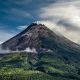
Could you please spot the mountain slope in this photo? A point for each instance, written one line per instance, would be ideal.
(41, 39)
(57, 57)
(38, 36)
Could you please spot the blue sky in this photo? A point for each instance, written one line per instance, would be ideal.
(15, 15)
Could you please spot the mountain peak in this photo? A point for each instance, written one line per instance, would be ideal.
(38, 23)
(35, 27)
(39, 37)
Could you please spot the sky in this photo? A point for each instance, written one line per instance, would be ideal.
(62, 15)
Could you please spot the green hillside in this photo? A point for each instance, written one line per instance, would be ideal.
(43, 66)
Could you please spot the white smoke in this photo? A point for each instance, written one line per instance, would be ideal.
(66, 11)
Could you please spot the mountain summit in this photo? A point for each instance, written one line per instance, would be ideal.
(40, 38)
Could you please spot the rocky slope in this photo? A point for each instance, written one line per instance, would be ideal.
(39, 37)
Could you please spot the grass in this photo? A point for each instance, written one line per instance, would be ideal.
(45, 66)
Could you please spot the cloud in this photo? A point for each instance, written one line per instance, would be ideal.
(5, 35)
(62, 11)
(1, 42)
(19, 13)
(66, 16)
(22, 2)
(22, 27)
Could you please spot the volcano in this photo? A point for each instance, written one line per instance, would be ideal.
(39, 37)
(57, 57)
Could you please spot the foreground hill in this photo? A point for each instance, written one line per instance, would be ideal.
(45, 66)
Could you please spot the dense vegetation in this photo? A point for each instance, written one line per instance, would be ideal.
(43, 66)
